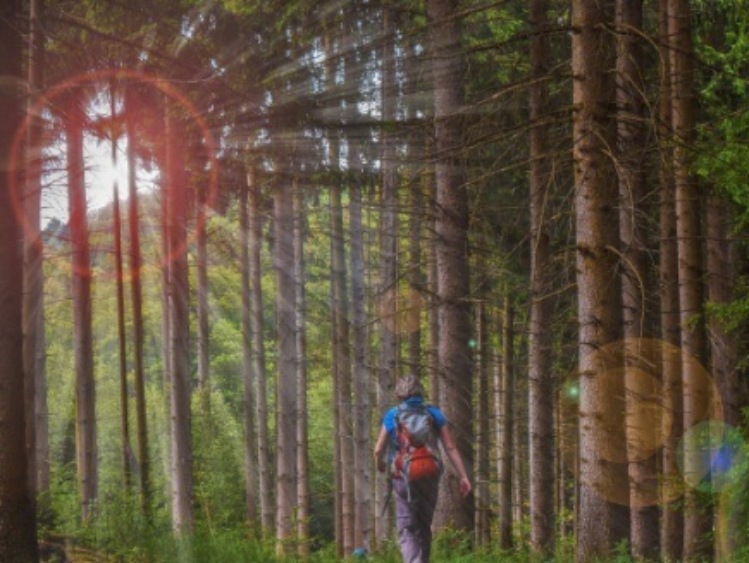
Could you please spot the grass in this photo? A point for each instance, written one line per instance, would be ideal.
(157, 544)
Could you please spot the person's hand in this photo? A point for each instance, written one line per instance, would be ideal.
(465, 486)
(381, 465)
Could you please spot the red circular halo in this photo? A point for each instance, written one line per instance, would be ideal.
(48, 97)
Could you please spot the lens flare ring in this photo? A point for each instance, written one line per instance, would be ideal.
(48, 98)
(632, 379)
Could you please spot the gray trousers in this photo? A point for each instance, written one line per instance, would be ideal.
(413, 519)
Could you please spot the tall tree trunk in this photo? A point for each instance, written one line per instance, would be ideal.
(122, 339)
(334, 160)
(697, 514)
(204, 328)
(635, 272)
(430, 258)
(483, 441)
(300, 309)
(120, 293)
(723, 354)
(507, 426)
(602, 523)
(388, 289)
(362, 409)
(166, 329)
(420, 357)
(34, 347)
(519, 449)
(452, 253)
(672, 517)
(721, 258)
(179, 332)
(540, 374)
(137, 305)
(498, 406)
(17, 517)
(286, 384)
(250, 453)
(267, 512)
(341, 343)
(337, 471)
(83, 335)
(415, 275)
(566, 430)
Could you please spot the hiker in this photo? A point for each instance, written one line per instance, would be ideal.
(410, 435)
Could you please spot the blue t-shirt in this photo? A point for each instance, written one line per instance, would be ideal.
(389, 419)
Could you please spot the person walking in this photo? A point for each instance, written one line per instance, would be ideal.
(408, 446)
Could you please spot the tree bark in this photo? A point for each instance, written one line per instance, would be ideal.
(672, 517)
(362, 408)
(333, 154)
(721, 258)
(137, 306)
(602, 523)
(166, 327)
(456, 373)
(506, 444)
(201, 239)
(519, 449)
(430, 257)
(697, 514)
(362, 411)
(286, 384)
(636, 286)
(483, 505)
(122, 338)
(267, 512)
(415, 278)
(540, 374)
(83, 334)
(344, 429)
(300, 309)
(34, 344)
(388, 289)
(120, 298)
(250, 453)
(179, 332)
(17, 517)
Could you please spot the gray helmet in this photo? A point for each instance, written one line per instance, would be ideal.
(408, 386)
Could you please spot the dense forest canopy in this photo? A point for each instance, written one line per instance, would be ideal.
(242, 221)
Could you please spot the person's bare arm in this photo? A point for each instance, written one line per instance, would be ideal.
(380, 449)
(454, 456)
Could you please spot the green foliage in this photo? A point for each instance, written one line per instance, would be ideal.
(722, 155)
(722, 42)
(63, 500)
(156, 544)
(723, 159)
(231, 545)
(226, 362)
(218, 450)
(322, 478)
(490, 41)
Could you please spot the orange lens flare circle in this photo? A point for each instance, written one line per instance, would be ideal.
(54, 93)
(632, 405)
(400, 310)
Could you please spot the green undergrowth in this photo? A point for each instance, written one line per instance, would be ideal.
(120, 536)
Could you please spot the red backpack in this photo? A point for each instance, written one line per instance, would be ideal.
(417, 454)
